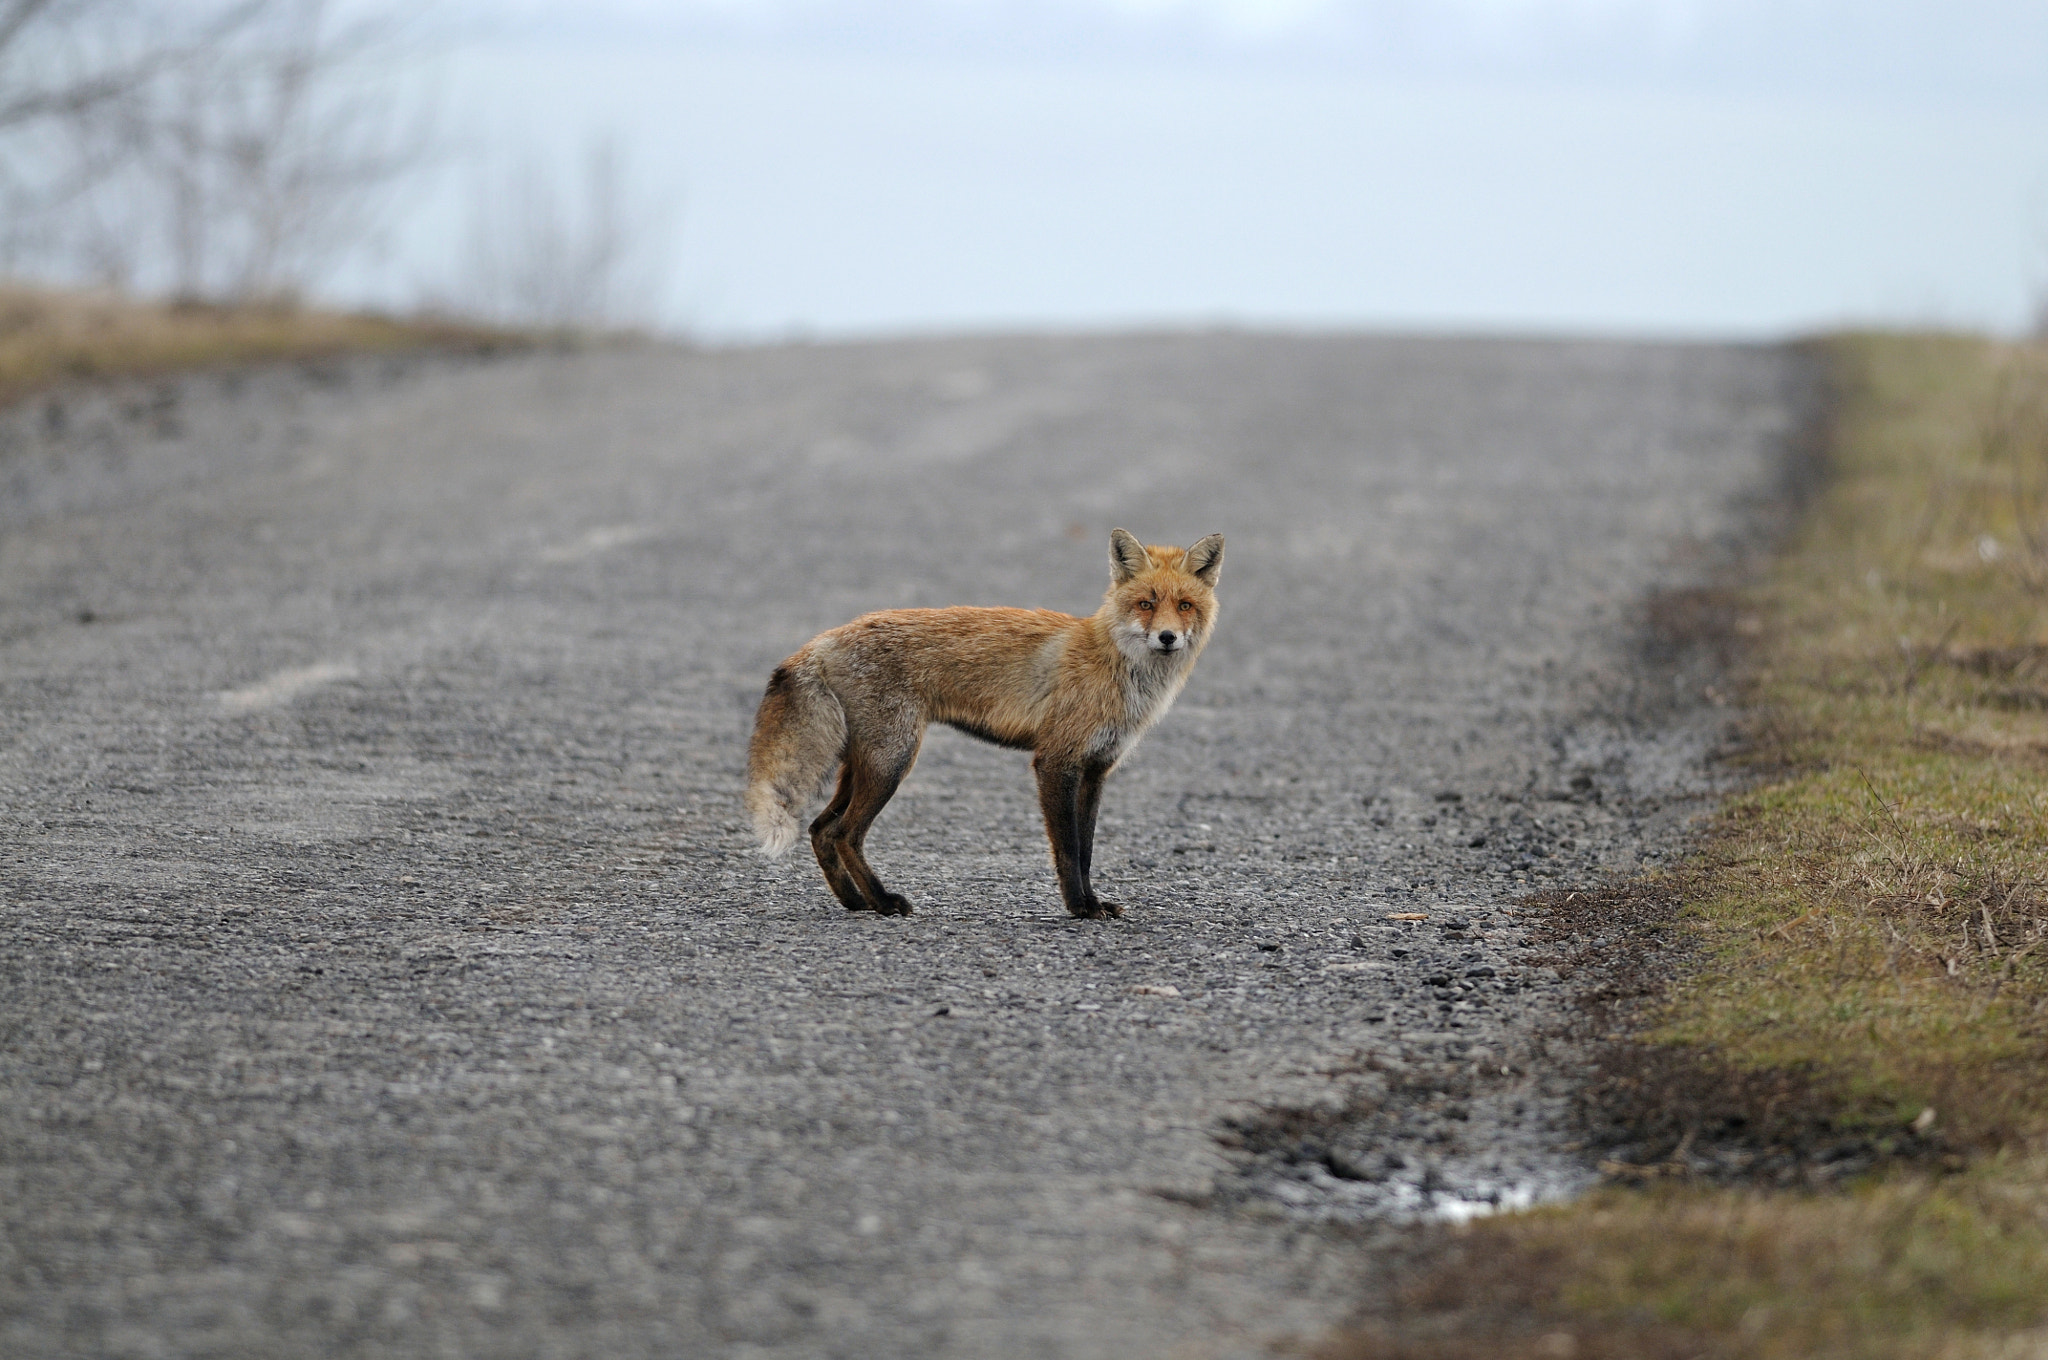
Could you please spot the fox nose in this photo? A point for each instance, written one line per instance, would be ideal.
(1166, 637)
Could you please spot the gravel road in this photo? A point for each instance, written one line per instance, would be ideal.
(383, 970)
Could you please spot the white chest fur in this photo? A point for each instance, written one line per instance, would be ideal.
(1150, 687)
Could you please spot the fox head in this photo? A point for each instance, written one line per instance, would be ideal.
(1162, 601)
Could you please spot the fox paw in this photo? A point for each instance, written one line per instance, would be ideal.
(894, 904)
(1096, 908)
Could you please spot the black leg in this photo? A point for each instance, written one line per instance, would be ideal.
(1088, 801)
(872, 791)
(1059, 798)
(825, 845)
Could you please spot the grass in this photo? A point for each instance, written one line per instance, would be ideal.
(1831, 1126)
(1877, 916)
(1899, 1265)
(50, 336)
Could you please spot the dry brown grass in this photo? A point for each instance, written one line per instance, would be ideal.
(1901, 1266)
(49, 336)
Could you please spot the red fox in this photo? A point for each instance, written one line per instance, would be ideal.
(1075, 692)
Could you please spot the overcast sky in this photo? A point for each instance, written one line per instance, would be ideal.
(1676, 166)
(1891, 49)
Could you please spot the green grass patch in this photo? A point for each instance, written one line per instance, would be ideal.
(1876, 915)
(1869, 926)
(1899, 1265)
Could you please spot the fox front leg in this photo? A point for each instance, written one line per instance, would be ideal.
(1067, 795)
(1086, 804)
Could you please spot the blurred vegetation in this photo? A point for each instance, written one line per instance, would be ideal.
(49, 336)
(246, 153)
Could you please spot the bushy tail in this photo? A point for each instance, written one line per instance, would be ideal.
(799, 734)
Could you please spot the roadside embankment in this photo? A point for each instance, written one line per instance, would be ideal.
(50, 336)
(1823, 1127)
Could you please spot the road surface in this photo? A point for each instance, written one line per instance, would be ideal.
(384, 970)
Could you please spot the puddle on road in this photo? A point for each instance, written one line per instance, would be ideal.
(1393, 1159)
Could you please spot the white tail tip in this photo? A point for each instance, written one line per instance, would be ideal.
(777, 830)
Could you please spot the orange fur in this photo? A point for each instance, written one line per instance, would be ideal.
(1078, 692)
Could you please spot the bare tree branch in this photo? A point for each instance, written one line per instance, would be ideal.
(232, 151)
(17, 15)
(106, 48)
(581, 261)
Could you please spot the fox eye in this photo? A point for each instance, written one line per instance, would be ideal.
(1186, 607)
(1145, 605)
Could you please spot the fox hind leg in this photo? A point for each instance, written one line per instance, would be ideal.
(826, 847)
(865, 788)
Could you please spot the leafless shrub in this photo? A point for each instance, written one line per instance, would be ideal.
(232, 151)
(238, 151)
(586, 258)
(64, 65)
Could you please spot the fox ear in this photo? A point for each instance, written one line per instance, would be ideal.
(1205, 559)
(1127, 556)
